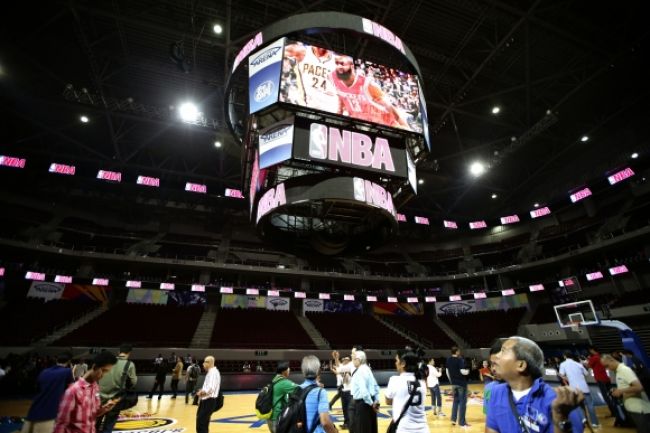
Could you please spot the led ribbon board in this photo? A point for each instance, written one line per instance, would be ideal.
(340, 188)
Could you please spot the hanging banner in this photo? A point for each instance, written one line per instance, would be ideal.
(242, 301)
(86, 293)
(316, 305)
(277, 303)
(497, 303)
(147, 296)
(44, 290)
(397, 308)
(185, 298)
(342, 307)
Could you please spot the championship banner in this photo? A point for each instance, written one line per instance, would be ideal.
(277, 304)
(186, 298)
(86, 293)
(342, 307)
(397, 309)
(44, 290)
(474, 305)
(242, 301)
(313, 305)
(147, 296)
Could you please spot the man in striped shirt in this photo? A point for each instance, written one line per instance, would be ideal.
(208, 395)
(80, 405)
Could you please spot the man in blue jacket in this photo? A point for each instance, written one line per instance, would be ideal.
(525, 403)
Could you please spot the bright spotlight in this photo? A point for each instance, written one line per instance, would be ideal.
(84, 119)
(477, 169)
(188, 112)
(494, 195)
(584, 138)
(496, 109)
(217, 143)
(420, 181)
(536, 205)
(217, 29)
(634, 155)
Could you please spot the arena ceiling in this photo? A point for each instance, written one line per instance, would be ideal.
(558, 70)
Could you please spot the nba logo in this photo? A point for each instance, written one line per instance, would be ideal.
(359, 189)
(318, 141)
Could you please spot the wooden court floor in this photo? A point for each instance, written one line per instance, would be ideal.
(237, 416)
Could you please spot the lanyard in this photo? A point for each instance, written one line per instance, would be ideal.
(524, 429)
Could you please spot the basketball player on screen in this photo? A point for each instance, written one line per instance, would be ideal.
(313, 67)
(361, 98)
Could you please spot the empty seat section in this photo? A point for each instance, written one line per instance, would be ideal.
(424, 327)
(343, 330)
(140, 325)
(481, 328)
(28, 320)
(258, 329)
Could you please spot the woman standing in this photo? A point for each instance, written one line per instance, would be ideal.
(434, 387)
(408, 387)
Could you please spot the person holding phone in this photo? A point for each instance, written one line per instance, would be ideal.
(80, 406)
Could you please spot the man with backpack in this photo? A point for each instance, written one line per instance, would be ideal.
(281, 388)
(307, 409)
(191, 377)
(110, 386)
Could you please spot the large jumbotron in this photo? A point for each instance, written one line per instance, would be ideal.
(329, 143)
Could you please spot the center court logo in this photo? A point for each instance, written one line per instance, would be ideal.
(147, 425)
(263, 91)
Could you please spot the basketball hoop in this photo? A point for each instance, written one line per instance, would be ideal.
(575, 326)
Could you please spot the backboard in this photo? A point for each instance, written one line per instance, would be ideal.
(576, 313)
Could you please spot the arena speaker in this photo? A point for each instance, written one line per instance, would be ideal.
(329, 142)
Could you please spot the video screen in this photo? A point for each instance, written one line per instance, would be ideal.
(325, 80)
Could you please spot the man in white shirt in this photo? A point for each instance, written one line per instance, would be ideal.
(365, 394)
(208, 395)
(630, 389)
(574, 374)
(346, 369)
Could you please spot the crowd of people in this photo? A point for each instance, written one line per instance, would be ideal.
(88, 395)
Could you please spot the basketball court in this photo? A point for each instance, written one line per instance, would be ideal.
(237, 416)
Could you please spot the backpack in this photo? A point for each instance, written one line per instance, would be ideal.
(127, 394)
(193, 372)
(293, 418)
(264, 402)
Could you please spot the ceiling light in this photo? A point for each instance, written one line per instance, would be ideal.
(477, 168)
(634, 155)
(494, 195)
(496, 109)
(217, 29)
(189, 112)
(584, 138)
(217, 143)
(84, 119)
(420, 181)
(536, 205)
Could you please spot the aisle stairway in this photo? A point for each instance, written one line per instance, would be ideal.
(66, 329)
(320, 342)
